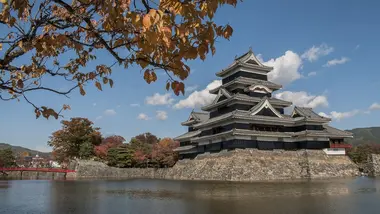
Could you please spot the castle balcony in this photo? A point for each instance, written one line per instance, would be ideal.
(342, 146)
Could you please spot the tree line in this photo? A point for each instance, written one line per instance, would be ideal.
(79, 139)
(361, 154)
(7, 158)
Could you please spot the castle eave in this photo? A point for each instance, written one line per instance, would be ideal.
(187, 135)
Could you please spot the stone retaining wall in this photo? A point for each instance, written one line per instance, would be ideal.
(375, 165)
(238, 165)
(34, 175)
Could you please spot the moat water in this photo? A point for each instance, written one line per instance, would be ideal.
(360, 195)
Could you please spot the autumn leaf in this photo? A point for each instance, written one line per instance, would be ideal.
(146, 21)
(82, 91)
(111, 83)
(65, 107)
(98, 85)
(20, 83)
(167, 86)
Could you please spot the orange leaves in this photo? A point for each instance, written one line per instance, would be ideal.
(227, 32)
(20, 83)
(178, 87)
(65, 107)
(164, 37)
(150, 76)
(146, 21)
(81, 90)
(98, 85)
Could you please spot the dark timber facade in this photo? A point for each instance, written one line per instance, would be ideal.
(244, 114)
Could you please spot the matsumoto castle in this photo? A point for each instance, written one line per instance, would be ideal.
(245, 115)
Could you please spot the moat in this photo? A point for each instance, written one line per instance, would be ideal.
(355, 195)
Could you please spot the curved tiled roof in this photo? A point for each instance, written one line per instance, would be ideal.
(248, 82)
(188, 135)
(246, 98)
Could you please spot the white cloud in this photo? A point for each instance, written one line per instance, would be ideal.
(94, 104)
(334, 62)
(340, 115)
(285, 68)
(191, 88)
(357, 47)
(303, 99)
(315, 52)
(199, 98)
(158, 99)
(313, 73)
(98, 117)
(374, 106)
(161, 115)
(134, 105)
(118, 106)
(324, 114)
(143, 116)
(109, 112)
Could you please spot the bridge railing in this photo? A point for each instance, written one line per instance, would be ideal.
(36, 169)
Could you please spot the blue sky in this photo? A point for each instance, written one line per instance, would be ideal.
(323, 52)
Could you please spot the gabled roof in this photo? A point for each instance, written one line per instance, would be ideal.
(196, 117)
(247, 99)
(248, 60)
(248, 82)
(308, 113)
(222, 92)
(264, 103)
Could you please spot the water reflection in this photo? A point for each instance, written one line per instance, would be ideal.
(359, 195)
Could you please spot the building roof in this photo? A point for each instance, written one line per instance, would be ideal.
(247, 60)
(247, 82)
(338, 132)
(184, 148)
(264, 103)
(196, 117)
(248, 99)
(308, 113)
(188, 135)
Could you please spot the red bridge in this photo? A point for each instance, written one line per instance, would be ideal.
(3, 170)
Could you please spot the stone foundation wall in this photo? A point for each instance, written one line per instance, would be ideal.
(237, 165)
(375, 165)
(34, 175)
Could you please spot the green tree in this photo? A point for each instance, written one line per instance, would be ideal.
(76, 139)
(61, 39)
(7, 158)
(121, 156)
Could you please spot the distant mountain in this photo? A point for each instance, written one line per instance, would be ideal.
(19, 150)
(365, 136)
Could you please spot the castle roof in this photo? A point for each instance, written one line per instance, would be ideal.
(247, 60)
(245, 98)
(196, 117)
(188, 135)
(247, 82)
(308, 113)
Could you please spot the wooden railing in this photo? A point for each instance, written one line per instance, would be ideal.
(346, 146)
(35, 169)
